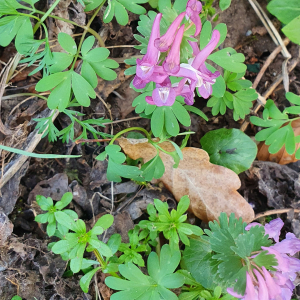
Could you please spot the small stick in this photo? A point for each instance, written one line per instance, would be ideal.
(267, 63)
(274, 212)
(91, 141)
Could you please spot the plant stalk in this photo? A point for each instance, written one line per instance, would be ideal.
(130, 129)
(90, 30)
(85, 32)
(37, 25)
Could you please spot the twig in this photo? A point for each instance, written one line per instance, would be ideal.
(91, 141)
(276, 38)
(274, 212)
(21, 159)
(267, 63)
(124, 120)
(109, 111)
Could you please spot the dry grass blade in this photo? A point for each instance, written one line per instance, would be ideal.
(276, 38)
(3, 85)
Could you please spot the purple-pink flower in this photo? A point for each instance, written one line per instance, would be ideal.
(194, 72)
(263, 284)
(193, 10)
(272, 229)
(163, 95)
(163, 43)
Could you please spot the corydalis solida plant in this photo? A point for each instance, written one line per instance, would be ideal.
(194, 73)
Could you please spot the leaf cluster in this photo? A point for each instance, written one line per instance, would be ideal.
(46, 126)
(131, 251)
(173, 225)
(47, 204)
(240, 101)
(228, 247)
(278, 130)
(65, 83)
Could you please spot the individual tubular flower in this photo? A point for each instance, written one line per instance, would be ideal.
(172, 62)
(146, 66)
(163, 43)
(196, 72)
(193, 9)
(163, 95)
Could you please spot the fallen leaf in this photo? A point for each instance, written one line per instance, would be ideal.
(212, 189)
(54, 187)
(6, 228)
(281, 157)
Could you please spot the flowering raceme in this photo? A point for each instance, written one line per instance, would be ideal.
(193, 72)
(276, 284)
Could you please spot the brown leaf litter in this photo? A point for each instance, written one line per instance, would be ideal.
(212, 189)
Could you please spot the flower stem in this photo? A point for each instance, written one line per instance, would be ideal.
(85, 32)
(130, 129)
(90, 30)
(37, 25)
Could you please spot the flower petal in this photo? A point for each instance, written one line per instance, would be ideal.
(273, 229)
(209, 48)
(163, 43)
(250, 293)
(290, 245)
(273, 289)
(263, 293)
(171, 63)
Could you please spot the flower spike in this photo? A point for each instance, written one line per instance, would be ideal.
(164, 43)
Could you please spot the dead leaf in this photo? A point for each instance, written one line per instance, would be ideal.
(281, 157)
(212, 189)
(6, 228)
(54, 187)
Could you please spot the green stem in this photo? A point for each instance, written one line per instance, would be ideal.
(90, 30)
(23, 94)
(37, 25)
(103, 263)
(131, 129)
(29, 16)
(85, 32)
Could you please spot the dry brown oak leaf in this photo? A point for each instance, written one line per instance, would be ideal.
(212, 189)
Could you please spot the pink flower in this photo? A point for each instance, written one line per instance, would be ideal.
(184, 90)
(290, 244)
(273, 289)
(171, 64)
(163, 43)
(272, 229)
(145, 67)
(197, 73)
(163, 95)
(193, 10)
